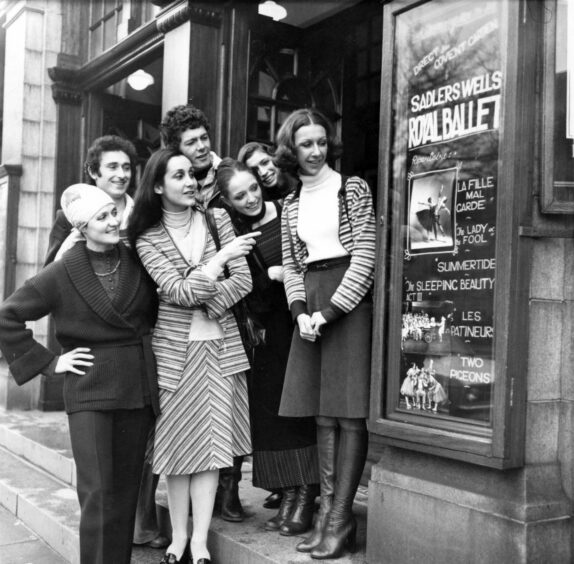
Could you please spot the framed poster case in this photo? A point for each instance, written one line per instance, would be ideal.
(557, 161)
(451, 322)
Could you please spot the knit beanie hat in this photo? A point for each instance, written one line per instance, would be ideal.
(81, 202)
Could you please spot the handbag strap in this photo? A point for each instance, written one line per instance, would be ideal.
(213, 231)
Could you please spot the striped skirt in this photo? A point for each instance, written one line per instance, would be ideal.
(205, 422)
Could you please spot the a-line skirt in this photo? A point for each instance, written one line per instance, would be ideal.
(331, 376)
(204, 423)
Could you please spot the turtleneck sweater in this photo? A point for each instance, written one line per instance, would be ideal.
(318, 220)
(188, 231)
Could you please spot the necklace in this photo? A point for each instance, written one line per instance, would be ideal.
(178, 221)
(110, 272)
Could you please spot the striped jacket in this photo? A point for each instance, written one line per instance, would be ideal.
(357, 235)
(182, 289)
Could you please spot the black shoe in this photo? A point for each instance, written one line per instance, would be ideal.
(273, 500)
(285, 509)
(170, 558)
(301, 516)
(227, 497)
(160, 541)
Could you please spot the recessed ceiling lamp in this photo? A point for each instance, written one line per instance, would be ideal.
(140, 79)
(273, 10)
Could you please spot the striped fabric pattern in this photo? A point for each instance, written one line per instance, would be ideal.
(357, 235)
(285, 468)
(205, 422)
(182, 289)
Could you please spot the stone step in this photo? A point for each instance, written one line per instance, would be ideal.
(37, 485)
(46, 505)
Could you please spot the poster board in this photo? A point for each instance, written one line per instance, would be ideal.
(446, 385)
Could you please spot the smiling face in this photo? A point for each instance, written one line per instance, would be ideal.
(196, 145)
(102, 232)
(114, 175)
(244, 194)
(262, 164)
(178, 189)
(311, 146)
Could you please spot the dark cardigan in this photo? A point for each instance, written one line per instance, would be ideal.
(118, 332)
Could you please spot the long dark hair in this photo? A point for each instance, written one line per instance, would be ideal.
(147, 204)
(286, 155)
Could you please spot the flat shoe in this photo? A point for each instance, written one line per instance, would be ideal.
(160, 541)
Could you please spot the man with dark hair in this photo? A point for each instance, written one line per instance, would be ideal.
(110, 165)
(186, 128)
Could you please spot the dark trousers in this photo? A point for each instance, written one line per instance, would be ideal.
(108, 448)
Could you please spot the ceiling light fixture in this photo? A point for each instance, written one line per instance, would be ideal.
(140, 79)
(273, 10)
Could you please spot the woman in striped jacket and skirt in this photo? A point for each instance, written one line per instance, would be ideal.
(328, 240)
(204, 419)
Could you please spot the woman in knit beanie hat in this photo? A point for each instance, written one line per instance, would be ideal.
(104, 306)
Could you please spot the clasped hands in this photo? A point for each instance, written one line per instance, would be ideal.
(310, 326)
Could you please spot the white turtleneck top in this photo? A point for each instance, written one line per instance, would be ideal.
(318, 220)
(188, 231)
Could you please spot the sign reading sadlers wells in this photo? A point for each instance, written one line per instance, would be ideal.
(447, 105)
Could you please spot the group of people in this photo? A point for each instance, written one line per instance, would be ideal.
(159, 376)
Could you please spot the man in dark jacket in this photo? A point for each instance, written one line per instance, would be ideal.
(110, 165)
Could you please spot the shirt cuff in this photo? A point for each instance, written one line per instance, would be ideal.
(332, 313)
(297, 308)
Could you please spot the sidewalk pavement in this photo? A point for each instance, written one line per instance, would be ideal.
(19, 545)
(37, 478)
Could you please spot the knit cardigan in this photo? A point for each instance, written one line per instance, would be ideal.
(118, 332)
(183, 288)
(357, 235)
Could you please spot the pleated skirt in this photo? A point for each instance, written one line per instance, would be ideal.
(204, 423)
(284, 448)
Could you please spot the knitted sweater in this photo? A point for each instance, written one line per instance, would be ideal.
(118, 332)
(357, 235)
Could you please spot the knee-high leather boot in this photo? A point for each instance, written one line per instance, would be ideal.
(327, 448)
(341, 527)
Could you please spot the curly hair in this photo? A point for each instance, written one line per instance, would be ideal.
(180, 119)
(103, 145)
(286, 154)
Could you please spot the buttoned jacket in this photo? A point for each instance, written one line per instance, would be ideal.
(356, 234)
(183, 289)
(117, 331)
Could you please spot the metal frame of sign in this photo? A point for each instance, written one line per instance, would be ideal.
(557, 194)
(498, 440)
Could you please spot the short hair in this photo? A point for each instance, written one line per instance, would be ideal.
(180, 119)
(285, 155)
(248, 150)
(106, 144)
